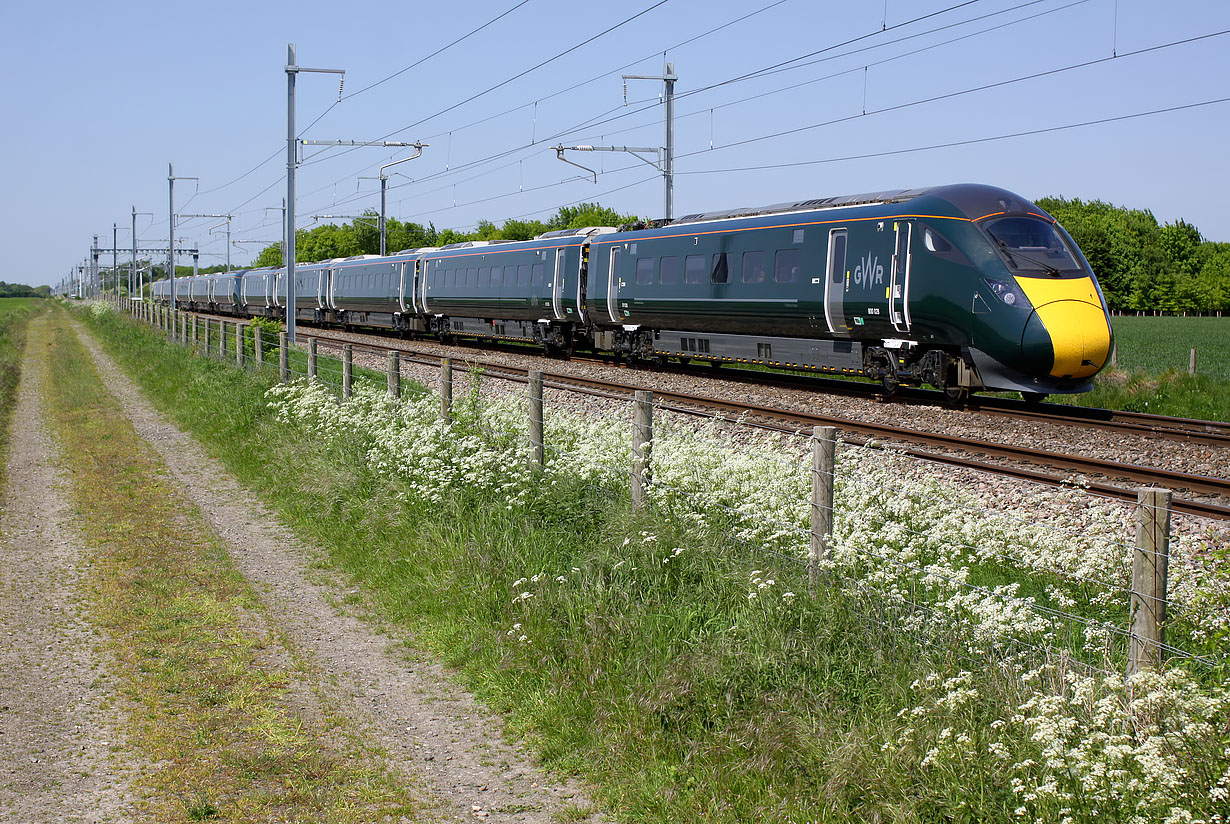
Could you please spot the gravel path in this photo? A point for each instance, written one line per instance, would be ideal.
(397, 698)
(62, 757)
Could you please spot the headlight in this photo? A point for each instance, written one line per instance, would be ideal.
(1008, 292)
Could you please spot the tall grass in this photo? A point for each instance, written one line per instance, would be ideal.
(672, 661)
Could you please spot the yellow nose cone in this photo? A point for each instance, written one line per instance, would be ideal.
(1076, 321)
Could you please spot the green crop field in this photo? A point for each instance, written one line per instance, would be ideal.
(1160, 343)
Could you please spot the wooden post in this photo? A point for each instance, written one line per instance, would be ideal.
(239, 347)
(196, 336)
(446, 389)
(823, 466)
(222, 339)
(642, 447)
(394, 375)
(347, 369)
(1114, 356)
(1191, 363)
(283, 364)
(311, 358)
(1150, 564)
(538, 452)
(258, 347)
(208, 326)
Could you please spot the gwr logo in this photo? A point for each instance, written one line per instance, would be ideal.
(868, 273)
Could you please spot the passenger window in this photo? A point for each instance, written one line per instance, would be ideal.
(472, 276)
(538, 274)
(484, 276)
(786, 266)
(523, 274)
(837, 255)
(450, 277)
(668, 271)
(644, 271)
(694, 269)
(510, 275)
(721, 268)
(753, 267)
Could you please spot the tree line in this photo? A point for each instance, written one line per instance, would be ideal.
(20, 290)
(1144, 265)
(362, 237)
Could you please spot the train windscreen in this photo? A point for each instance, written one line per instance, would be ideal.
(1031, 245)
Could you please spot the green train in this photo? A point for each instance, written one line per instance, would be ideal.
(965, 287)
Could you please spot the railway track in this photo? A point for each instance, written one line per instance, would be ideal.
(1024, 462)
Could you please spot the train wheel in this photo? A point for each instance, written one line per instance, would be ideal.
(955, 395)
(1033, 397)
(889, 384)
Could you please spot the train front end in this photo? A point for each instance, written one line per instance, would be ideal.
(1040, 324)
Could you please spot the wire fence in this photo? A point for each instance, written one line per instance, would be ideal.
(911, 563)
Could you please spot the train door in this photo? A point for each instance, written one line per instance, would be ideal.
(401, 287)
(557, 286)
(899, 283)
(835, 284)
(613, 282)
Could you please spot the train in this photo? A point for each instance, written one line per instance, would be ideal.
(965, 287)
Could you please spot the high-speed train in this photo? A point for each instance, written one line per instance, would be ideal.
(964, 287)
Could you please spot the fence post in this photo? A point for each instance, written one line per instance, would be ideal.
(239, 353)
(1191, 363)
(823, 473)
(283, 365)
(394, 375)
(258, 347)
(1114, 356)
(446, 389)
(221, 338)
(208, 326)
(642, 447)
(195, 336)
(1150, 565)
(538, 452)
(347, 369)
(312, 359)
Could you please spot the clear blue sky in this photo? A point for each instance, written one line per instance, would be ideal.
(100, 97)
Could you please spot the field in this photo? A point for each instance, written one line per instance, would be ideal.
(1152, 372)
(1157, 344)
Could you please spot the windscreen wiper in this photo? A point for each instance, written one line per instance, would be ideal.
(1045, 267)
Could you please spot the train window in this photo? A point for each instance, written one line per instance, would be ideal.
(668, 270)
(472, 276)
(538, 274)
(786, 265)
(450, 277)
(510, 275)
(720, 273)
(753, 267)
(694, 269)
(484, 276)
(644, 271)
(1031, 244)
(798, 236)
(935, 242)
(837, 255)
(523, 274)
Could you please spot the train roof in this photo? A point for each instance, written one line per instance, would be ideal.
(974, 199)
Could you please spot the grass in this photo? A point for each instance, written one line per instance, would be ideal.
(666, 686)
(207, 685)
(682, 684)
(15, 314)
